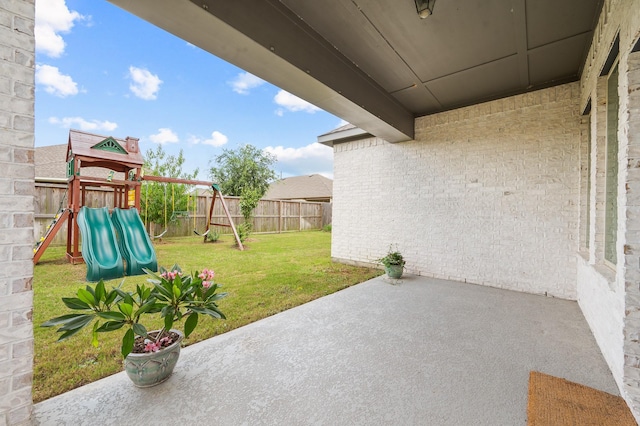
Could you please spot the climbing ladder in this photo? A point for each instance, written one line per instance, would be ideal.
(52, 230)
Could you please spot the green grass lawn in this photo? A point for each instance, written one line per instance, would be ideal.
(276, 272)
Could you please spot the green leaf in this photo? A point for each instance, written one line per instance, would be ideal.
(67, 334)
(190, 324)
(168, 322)
(60, 320)
(92, 292)
(126, 308)
(77, 323)
(145, 308)
(139, 330)
(167, 311)
(100, 292)
(94, 334)
(152, 274)
(212, 311)
(75, 303)
(86, 296)
(111, 297)
(127, 343)
(143, 292)
(155, 308)
(112, 316)
(214, 297)
(128, 299)
(162, 290)
(111, 326)
(120, 292)
(176, 291)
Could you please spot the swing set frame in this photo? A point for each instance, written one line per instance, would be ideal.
(216, 194)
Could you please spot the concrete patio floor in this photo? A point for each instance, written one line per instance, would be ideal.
(423, 352)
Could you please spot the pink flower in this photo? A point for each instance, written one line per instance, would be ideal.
(171, 275)
(206, 274)
(206, 284)
(152, 347)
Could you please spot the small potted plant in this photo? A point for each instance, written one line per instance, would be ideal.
(393, 263)
(149, 356)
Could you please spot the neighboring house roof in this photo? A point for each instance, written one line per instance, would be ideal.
(51, 163)
(311, 187)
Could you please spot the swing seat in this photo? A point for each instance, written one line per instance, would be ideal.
(201, 235)
(161, 235)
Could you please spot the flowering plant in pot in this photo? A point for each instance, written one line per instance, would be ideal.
(393, 263)
(149, 355)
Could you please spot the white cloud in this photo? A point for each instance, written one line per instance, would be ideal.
(293, 103)
(244, 82)
(163, 136)
(217, 139)
(52, 18)
(342, 123)
(82, 124)
(54, 82)
(306, 160)
(144, 84)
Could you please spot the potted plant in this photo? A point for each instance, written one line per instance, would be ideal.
(149, 356)
(393, 263)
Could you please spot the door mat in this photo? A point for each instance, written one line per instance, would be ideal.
(554, 402)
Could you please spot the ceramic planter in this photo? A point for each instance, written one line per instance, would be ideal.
(394, 271)
(149, 369)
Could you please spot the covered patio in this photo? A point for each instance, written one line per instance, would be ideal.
(420, 351)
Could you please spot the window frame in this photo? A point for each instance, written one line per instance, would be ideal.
(611, 213)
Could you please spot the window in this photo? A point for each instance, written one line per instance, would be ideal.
(611, 190)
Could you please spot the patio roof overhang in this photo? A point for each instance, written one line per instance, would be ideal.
(376, 64)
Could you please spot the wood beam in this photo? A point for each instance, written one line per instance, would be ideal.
(266, 39)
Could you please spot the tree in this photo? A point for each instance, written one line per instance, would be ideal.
(248, 202)
(246, 168)
(159, 200)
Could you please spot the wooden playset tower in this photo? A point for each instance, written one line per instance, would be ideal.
(115, 155)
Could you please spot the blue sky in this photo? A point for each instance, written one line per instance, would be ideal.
(105, 71)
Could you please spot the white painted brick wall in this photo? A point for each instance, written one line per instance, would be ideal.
(17, 47)
(487, 194)
(610, 297)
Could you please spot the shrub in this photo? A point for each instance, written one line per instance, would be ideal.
(244, 230)
(213, 236)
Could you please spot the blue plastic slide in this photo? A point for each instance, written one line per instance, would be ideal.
(135, 244)
(99, 247)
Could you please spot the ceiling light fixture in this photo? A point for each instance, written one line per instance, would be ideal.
(424, 7)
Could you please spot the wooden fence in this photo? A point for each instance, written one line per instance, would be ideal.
(270, 216)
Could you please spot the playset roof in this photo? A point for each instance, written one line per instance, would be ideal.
(103, 151)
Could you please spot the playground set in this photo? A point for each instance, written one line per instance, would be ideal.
(116, 243)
